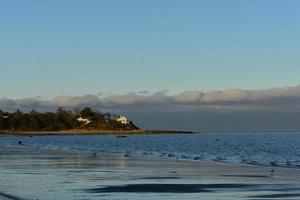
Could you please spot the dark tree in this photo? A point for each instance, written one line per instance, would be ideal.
(62, 119)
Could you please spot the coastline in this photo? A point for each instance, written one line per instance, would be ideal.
(91, 132)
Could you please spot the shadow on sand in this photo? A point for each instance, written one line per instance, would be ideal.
(9, 197)
(168, 188)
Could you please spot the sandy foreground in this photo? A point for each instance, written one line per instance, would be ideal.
(31, 174)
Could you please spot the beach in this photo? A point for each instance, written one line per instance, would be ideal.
(28, 173)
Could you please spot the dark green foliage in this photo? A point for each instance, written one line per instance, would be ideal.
(62, 119)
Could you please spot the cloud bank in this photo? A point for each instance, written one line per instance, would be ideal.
(285, 98)
(231, 96)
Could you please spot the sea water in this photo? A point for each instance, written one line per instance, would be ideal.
(280, 149)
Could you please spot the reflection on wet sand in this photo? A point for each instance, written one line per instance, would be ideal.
(27, 174)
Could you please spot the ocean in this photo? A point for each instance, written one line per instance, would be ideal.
(278, 149)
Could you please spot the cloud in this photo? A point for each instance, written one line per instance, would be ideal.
(211, 97)
(238, 96)
(27, 104)
(144, 92)
(189, 97)
(273, 98)
(68, 101)
(160, 97)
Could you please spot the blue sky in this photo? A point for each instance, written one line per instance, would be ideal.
(76, 47)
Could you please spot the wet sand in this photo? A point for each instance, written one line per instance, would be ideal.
(30, 174)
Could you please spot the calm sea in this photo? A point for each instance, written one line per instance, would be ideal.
(265, 148)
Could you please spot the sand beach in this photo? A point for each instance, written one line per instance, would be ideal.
(46, 174)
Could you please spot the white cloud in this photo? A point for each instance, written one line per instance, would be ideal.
(285, 97)
(68, 101)
(211, 97)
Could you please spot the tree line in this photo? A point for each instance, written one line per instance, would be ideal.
(62, 119)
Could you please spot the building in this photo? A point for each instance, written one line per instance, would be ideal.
(122, 119)
(86, 121)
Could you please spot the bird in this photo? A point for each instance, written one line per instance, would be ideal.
(272, 171)
(94, 155)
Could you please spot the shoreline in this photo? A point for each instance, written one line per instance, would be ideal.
(4, 133)
(90, 132)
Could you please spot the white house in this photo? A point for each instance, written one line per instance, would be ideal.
(122, 119)
(86, 121)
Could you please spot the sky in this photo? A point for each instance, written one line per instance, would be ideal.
(147, 53)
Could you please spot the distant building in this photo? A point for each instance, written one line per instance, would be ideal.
(122, 119)
(86, 121)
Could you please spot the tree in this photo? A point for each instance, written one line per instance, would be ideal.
(2, 121)
(87, 112)
(66, 118)
(35, 123)
(62, 119)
